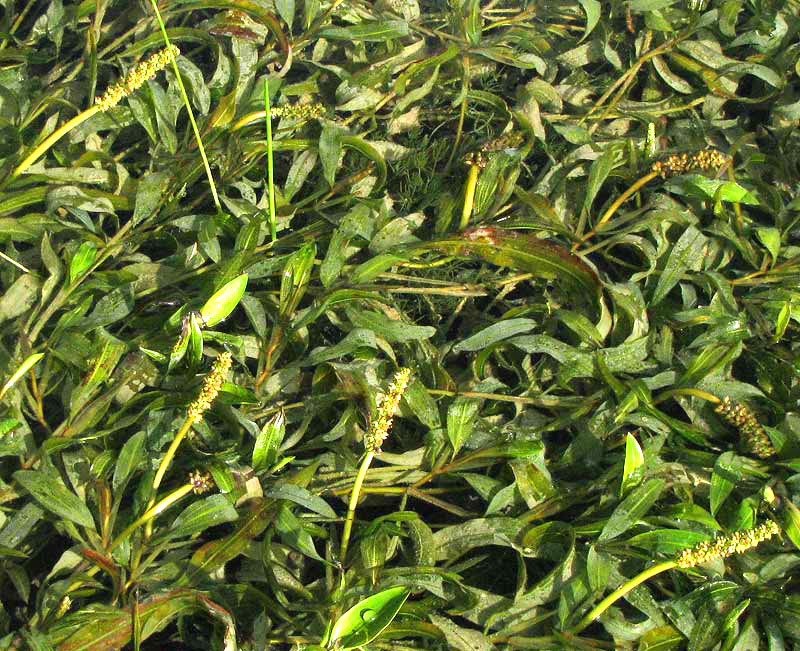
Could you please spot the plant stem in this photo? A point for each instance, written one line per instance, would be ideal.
(48, 142)
(270, 170)
(469, 196)
(351, 508)
(624, 589)
(170, 454)
(697, 393)
(152, 512)
(615, 206)
(186, 103)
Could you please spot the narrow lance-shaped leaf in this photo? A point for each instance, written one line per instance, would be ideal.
(26, 365)
(523, 252)
(295, 278)
(82, 260)
(53, 495)
(634, 460)
(265, 450)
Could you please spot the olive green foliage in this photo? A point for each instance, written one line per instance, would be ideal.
(576, 223)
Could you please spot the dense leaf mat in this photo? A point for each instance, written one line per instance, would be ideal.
(573, 224)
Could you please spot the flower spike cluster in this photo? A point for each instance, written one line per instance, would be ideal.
(753, 434)
(299, 111)
(135, 78)
(211, 387)
(724, 546)
(681, 163)
(200, 481)
(386, 404)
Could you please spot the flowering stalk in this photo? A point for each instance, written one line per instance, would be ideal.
(198, 483)
(202, 404)
(753, 434)
(671, 166)
(378, 431)
(704, 552)
(136, 77)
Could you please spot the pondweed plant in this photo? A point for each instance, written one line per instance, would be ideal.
(578, 422)
(704, 552)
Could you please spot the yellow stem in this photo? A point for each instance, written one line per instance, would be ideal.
(48, 142)
(697, 393)
(166, 461)
(152, 512)
(188, 106)
(469, 196)
(624, 589)
(351, 508)
(615, 206)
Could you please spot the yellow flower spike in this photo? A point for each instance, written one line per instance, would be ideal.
(135, 79)
(378, 431)
(201, 405)
(139, 74)
(673, 165)
(724, 546)
(754, 435)
(211, 387)
(387, 404)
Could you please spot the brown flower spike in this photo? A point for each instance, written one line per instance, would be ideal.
(681, 163)
(754, 436)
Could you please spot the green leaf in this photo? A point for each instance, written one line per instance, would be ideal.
(49, 491)
(390, 329)
(687, 253)
(460, 638)
(201, 515)
(195, 340)
(330, 150)
(633, 507)
(492, 334)
(597, 176)
(150, 193)
(714, 189)
(265, 450)
(367, 619)
(723, 479)
(662, 638)
(111, 307)
(634, 465)
(524, 253)
(296, 275)
(27, 364)
(293, 534)
(19, 298)
(771, 238)
(592, 9)
(130, 457)
(377, 31)
(667, 541)
(223, 301)
(461, 416)
(303, 497)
